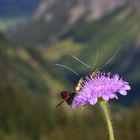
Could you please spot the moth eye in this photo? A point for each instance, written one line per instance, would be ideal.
(64, 94)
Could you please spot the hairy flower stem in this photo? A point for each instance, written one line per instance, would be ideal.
(105, 108)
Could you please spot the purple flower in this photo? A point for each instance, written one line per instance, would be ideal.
(103, 86)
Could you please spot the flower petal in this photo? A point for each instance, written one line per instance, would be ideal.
(123, 92)
(111, 96)
(74, 104)
(102, 86)
(93, 101)
(105, 97)
(127, 87)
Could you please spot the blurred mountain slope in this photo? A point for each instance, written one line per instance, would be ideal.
(94, 8)
(54, 18)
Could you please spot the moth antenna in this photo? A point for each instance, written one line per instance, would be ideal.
(80, 61)
(110, 59)
(66, 67)
(95, 62)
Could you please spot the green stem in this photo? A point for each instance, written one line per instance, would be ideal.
(108, 119)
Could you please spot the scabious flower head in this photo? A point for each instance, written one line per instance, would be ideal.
(102, 86)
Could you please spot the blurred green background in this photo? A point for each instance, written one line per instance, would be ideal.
(36, 34)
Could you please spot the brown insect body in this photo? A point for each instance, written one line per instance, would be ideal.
(81, 81)
(79, 85)
(94, 73)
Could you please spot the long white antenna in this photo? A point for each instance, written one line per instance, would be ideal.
(110, 59)
(80, 61)
(96, 58)
(67, 68)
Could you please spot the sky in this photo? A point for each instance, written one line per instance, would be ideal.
(17, 8)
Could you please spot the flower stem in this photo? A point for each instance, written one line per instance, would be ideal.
(105, 108)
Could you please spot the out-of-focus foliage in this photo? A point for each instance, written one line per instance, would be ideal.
(29, 116)
(30, 84)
